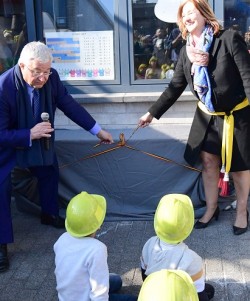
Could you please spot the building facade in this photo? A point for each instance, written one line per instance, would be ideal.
(114, 56)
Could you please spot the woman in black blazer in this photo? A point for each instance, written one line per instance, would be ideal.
(216, 65)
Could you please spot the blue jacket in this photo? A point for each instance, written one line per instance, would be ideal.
(11, 137)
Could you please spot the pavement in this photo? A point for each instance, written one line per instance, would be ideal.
(31, 277)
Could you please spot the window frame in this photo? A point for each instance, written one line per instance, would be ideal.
(123, 49)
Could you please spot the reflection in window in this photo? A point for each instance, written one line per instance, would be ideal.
(81, 36)
(237, 17)
(78, 15)
(13, 32)
(156, 43)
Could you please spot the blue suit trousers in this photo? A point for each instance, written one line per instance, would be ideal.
(47, 185)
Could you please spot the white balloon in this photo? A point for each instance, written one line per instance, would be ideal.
(166, 10)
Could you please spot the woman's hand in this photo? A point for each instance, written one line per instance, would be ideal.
(145, 120)
(201, 57)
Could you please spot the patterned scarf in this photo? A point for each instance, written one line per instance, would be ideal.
(200, 75)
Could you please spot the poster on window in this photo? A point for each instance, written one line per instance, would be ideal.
(84, 55)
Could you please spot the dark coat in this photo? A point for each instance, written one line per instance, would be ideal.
(11, 137)
(229, 73)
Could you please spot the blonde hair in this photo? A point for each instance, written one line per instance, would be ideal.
(35, 51)
(206, 11)
(153, 59)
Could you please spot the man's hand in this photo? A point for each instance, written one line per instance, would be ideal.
(145, 120)
(41, 130)
(105, 137)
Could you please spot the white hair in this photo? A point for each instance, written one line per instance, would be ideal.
(35, 51)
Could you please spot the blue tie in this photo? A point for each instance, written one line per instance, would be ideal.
(36, 104)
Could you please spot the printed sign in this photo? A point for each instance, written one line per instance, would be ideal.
(84, 55)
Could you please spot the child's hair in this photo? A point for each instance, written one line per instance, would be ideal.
(142, 67)
(164, 67)
(174, 218)
(168, 285)
(153, 59)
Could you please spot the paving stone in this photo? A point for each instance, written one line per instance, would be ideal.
(226, 257)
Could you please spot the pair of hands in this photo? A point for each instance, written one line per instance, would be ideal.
(44, 130)
(144, 121)
(106, 137)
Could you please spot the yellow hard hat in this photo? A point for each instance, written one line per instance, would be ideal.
(153, 59)
(170, 285)
(174, 218)
(85, 214)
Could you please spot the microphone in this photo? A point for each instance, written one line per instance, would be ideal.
(45, 118)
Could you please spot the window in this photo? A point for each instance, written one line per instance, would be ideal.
(81, 36)
(156, 44)
(13, 32)
(237, 17)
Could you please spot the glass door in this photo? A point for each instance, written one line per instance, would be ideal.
(156, 44)
(237, 17)
(13, 32)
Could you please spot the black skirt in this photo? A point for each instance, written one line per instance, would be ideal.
(212, 140)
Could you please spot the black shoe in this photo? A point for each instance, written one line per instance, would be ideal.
(55, 221)
(4, 261)
(238, 230)
(208, 292)
(201, 225)
(209, 289)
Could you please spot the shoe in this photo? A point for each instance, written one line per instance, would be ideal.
(238, 230)
(201, 225)
(209, 289)
(55, 221)
(4, 261)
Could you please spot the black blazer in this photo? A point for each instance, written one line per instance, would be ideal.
(229, 73)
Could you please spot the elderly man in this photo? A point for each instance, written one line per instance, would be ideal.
(27, 141)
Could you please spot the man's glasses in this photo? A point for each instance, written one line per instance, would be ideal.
(38, 74)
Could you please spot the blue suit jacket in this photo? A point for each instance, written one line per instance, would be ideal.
(11, 137)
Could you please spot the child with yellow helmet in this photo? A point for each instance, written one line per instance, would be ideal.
(168, 285)
(173, 223)
(81, 271)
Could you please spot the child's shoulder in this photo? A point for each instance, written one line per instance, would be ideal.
(151, 240)
(86, 241)
(191, 253)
